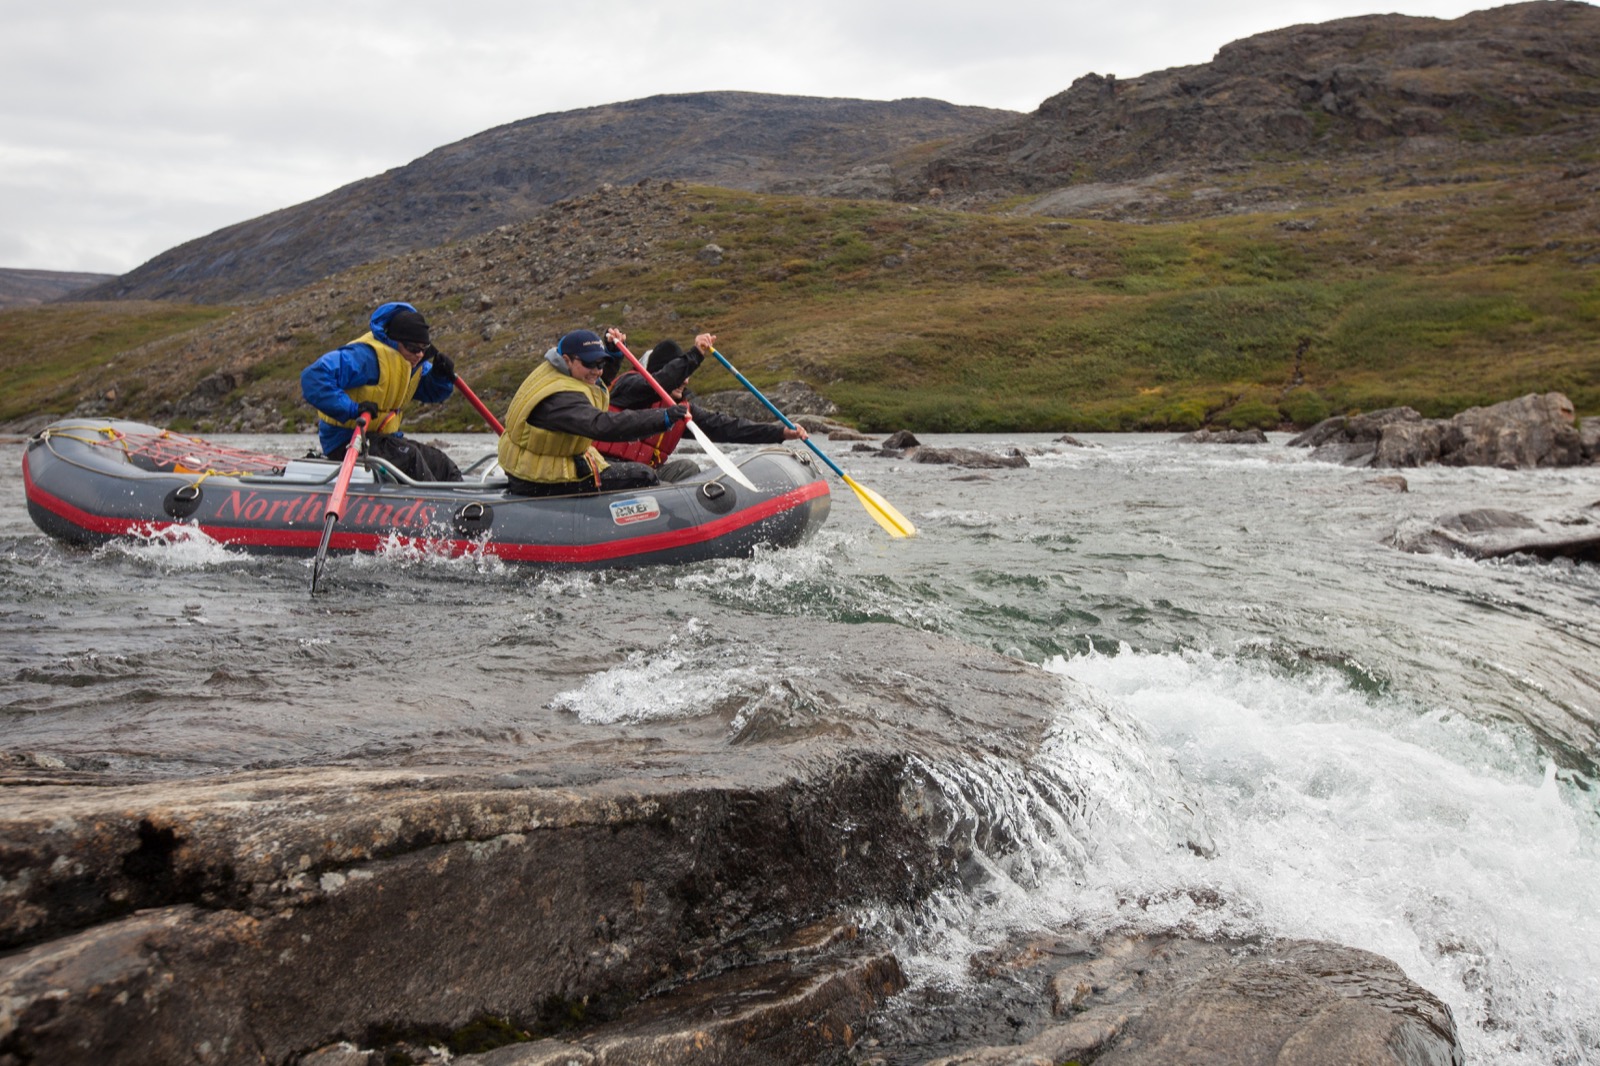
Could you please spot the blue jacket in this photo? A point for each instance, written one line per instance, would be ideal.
(324, 382)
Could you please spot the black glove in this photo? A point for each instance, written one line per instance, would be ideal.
(367, 407)
(676, 413)
(443, 365)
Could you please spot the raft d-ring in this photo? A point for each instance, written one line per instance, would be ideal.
(473, 519)
(183, 501)
(717, 497)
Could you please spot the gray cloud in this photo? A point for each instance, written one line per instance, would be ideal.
(129, 129)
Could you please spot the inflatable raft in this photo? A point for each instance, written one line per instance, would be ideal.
(89, 481)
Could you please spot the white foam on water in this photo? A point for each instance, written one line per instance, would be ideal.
(1100, 791)
(1443, 843)
(804, 580)
(174, 547)
(681, 680)
(396, 551)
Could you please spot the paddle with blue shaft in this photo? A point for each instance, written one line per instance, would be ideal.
(699, 434)
(882, 512)
(335, 509)
(488, 415)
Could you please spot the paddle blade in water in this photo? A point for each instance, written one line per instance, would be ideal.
(720, 459)
(881, 510)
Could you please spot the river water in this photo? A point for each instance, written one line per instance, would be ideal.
(1393, 751)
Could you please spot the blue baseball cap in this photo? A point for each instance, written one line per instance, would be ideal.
(584, 345)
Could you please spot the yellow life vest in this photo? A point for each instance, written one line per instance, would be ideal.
(543, 455)
(397, 383)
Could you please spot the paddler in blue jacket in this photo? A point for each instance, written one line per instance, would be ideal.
(380, 372)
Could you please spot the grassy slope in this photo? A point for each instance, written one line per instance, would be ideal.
(52, 355)
(1436, 297)
(1360, 289)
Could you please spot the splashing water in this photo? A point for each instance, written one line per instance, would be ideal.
(1294, 804)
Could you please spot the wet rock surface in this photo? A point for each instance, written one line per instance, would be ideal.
(1488, 533)
(1224, 436)
(903, 444)
(676, 891)
(1166, 1000)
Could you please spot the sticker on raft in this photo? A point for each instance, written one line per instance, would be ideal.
(638, 509)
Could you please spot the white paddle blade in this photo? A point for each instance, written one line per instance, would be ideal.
(720, 459)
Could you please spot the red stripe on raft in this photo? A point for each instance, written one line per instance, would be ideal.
(654, 542)
(311, 537)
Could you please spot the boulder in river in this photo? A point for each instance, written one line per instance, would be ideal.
(1530, 431)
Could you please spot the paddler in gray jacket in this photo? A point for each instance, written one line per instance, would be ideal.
(558, 413)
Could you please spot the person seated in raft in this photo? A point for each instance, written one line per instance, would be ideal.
(560, 410)
(671, 367)
(379, 373)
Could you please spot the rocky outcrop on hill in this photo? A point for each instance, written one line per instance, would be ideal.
(731, 139)
(1349, 85)
(1527, 432)
(793, 398)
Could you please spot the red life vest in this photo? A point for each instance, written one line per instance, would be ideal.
(651, 450)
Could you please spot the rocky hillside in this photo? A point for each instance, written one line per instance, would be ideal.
(1516, 79)
(28, 288)
(1512, 82)
(734, 140)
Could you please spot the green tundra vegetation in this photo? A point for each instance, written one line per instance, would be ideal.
(1350, 287)
(52, 355)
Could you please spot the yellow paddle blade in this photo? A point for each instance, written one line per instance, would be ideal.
(882, 510)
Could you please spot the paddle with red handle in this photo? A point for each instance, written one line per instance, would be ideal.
(335, 509)
(699, 434)
(488, 415)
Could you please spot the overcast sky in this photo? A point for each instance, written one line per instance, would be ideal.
(128, 128)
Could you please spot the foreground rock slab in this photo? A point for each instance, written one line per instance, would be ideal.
(677, 891)
(262, 916)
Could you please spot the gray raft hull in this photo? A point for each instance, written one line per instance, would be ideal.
(88, 482)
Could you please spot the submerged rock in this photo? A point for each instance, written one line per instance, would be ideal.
(1224, 436)
(971, 458)
(903, 444)
(1489, 533)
